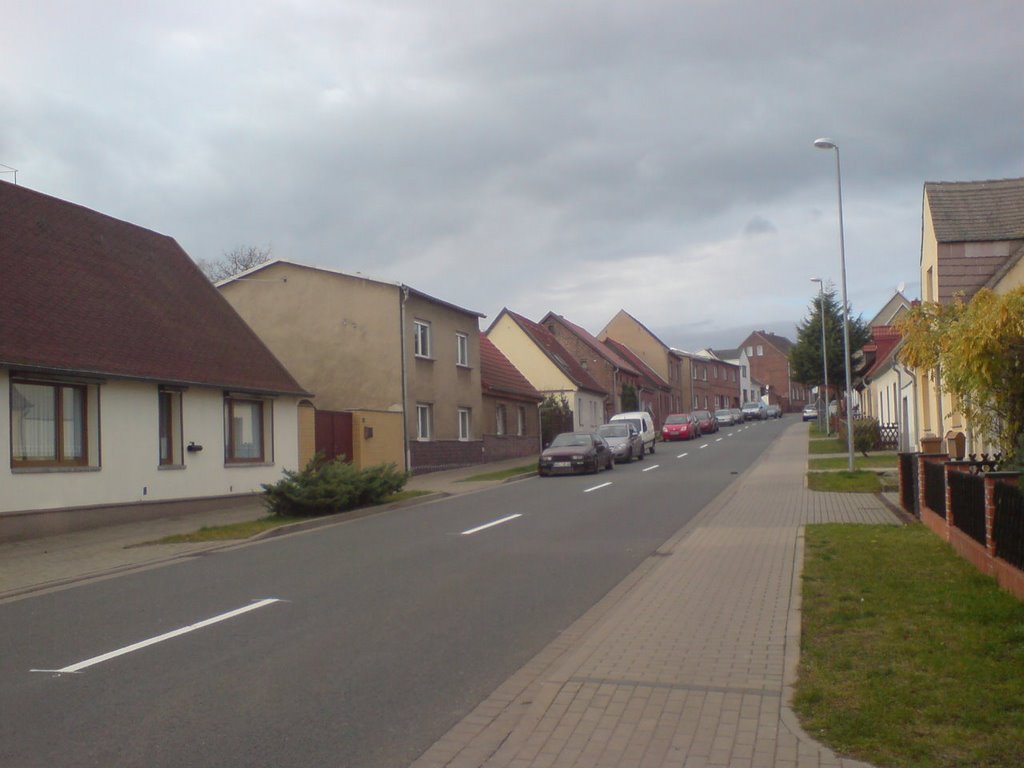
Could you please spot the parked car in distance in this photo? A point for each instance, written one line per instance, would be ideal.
(573, 453)
(680, 426)
(755, 410)
(725, 417)
(738, 416)
(706, 421)
(644, 424)
(774, 411)
(810, 412)
(623, 440)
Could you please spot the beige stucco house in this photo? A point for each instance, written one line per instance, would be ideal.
(671, 366)
(403, 364)
(129, 387)
(549, 367)
(972, 237)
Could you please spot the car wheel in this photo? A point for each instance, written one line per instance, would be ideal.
(652, 446)
(611, 462)
(640, 457)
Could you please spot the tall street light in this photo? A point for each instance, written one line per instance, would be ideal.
(829, 144)
(824, 354)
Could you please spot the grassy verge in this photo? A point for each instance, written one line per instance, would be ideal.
(909, 656)
(826, 445)
(502, 475)
(249, 528)
(860, 481)
(874, 461)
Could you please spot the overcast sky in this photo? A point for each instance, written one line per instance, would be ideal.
(579, 157)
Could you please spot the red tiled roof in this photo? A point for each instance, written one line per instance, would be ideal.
(645, 370)
(884, 340)
(499, 377)
(83, 292)
(607, 352)
(558, 354)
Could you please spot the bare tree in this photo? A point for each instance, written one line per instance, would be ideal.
(239, 259)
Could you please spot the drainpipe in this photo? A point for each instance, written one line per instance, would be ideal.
(403, 296)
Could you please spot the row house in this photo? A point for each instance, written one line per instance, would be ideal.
(669, 364)
(129, 387)
(738, 357)
(655, 394)
(511, 415)
(396, 371)
(716, 383)
(549, 367)
(768, 354)
(608, 368)
(972, 237)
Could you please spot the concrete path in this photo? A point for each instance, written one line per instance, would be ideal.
(689, 661)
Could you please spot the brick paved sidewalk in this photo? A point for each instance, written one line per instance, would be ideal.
(688, 662)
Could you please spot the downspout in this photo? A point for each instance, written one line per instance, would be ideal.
(403, 296)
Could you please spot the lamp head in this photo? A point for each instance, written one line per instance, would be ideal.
(825, 144)
(815, 279)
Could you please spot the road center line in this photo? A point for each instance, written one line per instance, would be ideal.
(682, 455)
(597, 487)
(718, 440)
(705, 446)
(490, 525)
(654, 467)
(160, 638)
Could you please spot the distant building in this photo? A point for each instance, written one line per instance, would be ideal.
(768, 354)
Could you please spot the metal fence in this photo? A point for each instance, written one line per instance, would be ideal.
(889, 436)
(967, 498)
(1009, 524)
(908, 475)
(935, 487)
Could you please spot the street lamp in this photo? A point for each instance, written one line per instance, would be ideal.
(824, 354)
(829, 144)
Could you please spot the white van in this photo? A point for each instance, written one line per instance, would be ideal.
(643, 422)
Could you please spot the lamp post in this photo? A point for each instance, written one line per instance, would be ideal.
(824, 354)
(829, 144)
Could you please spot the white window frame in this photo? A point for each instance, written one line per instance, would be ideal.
(760, 350)
(465, 423)
(462, 349)
(500, 418)
(424, 419)
(521, 420)
(421, 338)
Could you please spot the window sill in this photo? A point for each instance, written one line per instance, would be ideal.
(163, 467)
(464, 366)
(244, 464)
(424, 358)
(49, 470)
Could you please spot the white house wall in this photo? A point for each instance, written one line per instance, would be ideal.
(129, 470)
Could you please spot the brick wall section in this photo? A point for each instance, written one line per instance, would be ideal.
(434, 455)
(602, 370)
(498, 447)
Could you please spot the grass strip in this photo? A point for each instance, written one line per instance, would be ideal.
(874, 461)
(909, 656)
(500, 475)
(249, 528)
(859, 481)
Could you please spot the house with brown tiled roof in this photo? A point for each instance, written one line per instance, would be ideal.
(549, 366)
(655, 394)
(670, 365)
(972, 236)
(611, 370)
(768, 354)
(127, 382)
(511, 419)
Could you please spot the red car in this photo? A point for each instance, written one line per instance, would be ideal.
(706, 421)
(680, 426)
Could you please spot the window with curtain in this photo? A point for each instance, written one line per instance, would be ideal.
(48, 424)
(243, 431)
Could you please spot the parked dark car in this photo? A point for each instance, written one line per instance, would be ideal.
(680, 426)
(573, 453)
(623, 439)
(706, 421)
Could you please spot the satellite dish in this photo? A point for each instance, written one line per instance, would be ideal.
(900, 287)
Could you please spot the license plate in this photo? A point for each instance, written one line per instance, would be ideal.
(562, 464)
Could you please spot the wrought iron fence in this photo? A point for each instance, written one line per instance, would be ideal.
(1009, 524)
(967, 498)
(908, 473)
(935, 487)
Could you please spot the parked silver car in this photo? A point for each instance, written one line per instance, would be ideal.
(624, 440)
(725, 417)
(755, 410)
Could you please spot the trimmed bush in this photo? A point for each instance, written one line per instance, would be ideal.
(326, 487)
(867, 435)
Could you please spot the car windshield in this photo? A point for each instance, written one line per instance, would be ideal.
(569, 440)
(635, 422)
(701, 415)
(613, 430)
(751, 405)
(679, 418)
(723, 412)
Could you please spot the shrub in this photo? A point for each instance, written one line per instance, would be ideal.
(325, 487)
(867, 435)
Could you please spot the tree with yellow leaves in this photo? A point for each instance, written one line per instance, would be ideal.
(978, 346)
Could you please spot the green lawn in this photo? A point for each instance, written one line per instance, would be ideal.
(909, 656)
(873, 461)
(502, 475)
(860, 481)
(826, 445)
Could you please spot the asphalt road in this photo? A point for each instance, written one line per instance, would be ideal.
(383, 631)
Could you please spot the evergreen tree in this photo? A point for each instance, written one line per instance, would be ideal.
(805, 360)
